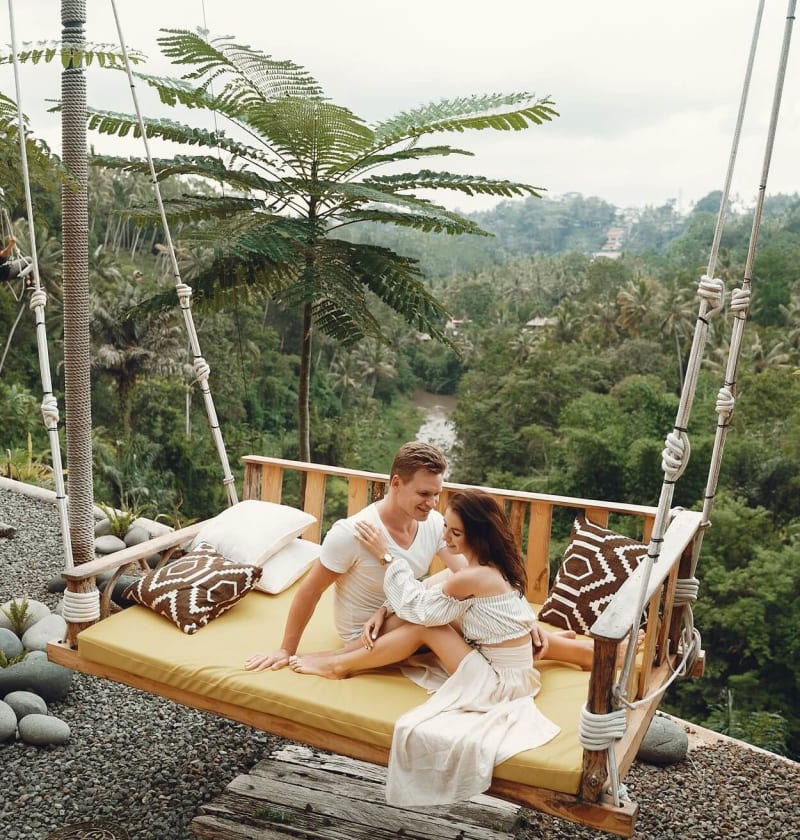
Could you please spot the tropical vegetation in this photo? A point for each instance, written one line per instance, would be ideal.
(566, 366)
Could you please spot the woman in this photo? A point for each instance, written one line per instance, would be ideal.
(478, 623)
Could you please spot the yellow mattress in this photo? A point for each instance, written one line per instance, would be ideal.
(364, 707)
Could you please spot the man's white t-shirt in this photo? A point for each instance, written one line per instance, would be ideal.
(359, 590)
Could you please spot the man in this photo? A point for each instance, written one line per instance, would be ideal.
(414, 529)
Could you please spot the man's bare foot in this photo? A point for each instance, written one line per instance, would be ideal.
(320, 666)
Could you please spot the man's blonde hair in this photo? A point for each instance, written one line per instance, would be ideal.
(416, 455)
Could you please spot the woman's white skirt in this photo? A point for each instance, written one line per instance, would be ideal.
(446, 749)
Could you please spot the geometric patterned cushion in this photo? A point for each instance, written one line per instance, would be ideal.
(596, 563)
(195, 588)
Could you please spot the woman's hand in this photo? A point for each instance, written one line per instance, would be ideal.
(372, 628)
(372, 538)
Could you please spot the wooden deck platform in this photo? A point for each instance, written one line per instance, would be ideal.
(300, 792)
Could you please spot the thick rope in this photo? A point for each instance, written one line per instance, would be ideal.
(77, 355)
(601, 732)
(81, 607)
(183, 291)
(37, 305)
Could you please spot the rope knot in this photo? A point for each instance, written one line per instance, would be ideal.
(201, 369)
(712, 291)
(599, 732)
(81, 607)
(50, 411)
(38, 298)
(725, 402)
(740, 300)
(686, 590)
(184, 294)
(676, 449)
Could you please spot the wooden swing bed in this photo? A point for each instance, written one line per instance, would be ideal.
(355, 717)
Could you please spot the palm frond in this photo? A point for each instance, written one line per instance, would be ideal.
(105, 55)
(437, 220)
(195, 208)
(248, 76)
(467, 184)
(310, 132)
(121, 125)
(411, 152)
(515, 111)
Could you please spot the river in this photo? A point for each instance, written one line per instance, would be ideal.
(437, 427)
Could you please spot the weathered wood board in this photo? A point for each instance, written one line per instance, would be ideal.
(300, 792)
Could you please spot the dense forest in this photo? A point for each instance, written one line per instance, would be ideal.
(566, 360)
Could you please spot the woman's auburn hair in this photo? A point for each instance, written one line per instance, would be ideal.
(488, 534)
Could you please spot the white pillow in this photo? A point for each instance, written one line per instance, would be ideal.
(285, 567)
(252, 531)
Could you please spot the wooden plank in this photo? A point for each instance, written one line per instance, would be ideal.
(315, 504)
(538, 551)
(303, 792)
(272, 484)
(357, 495)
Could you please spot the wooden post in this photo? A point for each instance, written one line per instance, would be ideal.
(595, 771)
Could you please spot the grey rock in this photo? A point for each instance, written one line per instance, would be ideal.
(46, 630)
(102, 528)
(35, 611)
(108, 544)
(37, 674)
(665, 742)
(7, 530)
(8, 722)
(25, 703)
(136, 535)
(10, 643)
(56, 584)
(120, 586)
(43, 730)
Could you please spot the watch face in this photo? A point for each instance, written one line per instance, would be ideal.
(387, 558)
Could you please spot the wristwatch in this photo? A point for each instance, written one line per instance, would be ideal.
(386, 559)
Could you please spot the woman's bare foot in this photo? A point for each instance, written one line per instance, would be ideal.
(319, 665)
(623, 648)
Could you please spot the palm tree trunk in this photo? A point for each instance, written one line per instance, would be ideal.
(304, 388)
(76, 289)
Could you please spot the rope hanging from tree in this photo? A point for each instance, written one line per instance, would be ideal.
(184, 292)
(37, 305)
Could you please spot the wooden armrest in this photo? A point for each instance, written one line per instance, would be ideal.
(131, 555)
(618, 617)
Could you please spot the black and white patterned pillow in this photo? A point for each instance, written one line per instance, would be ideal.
(194, 589)
(596, 563)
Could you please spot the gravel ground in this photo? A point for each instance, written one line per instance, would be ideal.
(147, 764)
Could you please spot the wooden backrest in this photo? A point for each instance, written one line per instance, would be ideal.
(530, 514)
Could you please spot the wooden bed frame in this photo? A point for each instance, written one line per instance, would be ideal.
(531, 516)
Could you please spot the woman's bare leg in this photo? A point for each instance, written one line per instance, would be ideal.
(580, 652)
(394, 646)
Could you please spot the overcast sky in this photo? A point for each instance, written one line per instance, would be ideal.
(648, 92)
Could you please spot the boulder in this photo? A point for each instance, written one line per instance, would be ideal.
(56, 584)
(25, 703)
(43, 730)
(51, 627)
(37, 674)
(136, 535)
(8, 722)
(10, 643)
(102, 528)
(665, 742)
(108, 544)
(35, 611)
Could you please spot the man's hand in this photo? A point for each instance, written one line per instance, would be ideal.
(274, 661)
(372, 628)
